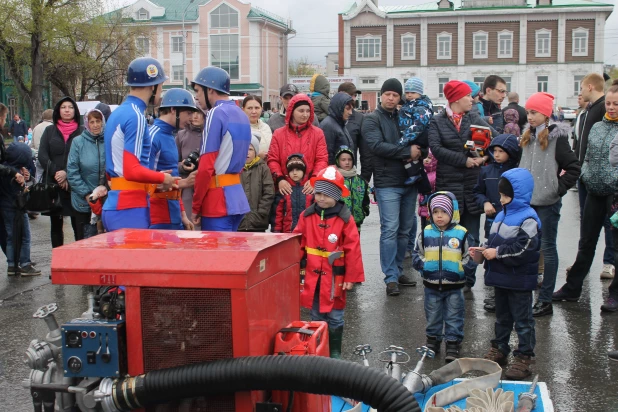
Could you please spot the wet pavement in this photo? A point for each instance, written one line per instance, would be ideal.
(571, 345)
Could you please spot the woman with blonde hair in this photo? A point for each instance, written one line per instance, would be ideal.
(546, 154)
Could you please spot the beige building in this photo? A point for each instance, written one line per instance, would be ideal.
(250, 43)
(545, 46)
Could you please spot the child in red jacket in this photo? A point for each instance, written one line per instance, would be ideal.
(288, 208)
(330, 246)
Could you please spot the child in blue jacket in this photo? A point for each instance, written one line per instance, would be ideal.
(512, 258)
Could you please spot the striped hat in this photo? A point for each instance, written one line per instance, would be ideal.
(414, 85)
(329, 189)
(442, 202)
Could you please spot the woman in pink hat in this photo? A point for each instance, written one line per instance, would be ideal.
(546, 154)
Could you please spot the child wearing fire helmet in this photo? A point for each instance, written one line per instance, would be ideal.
(330, 246)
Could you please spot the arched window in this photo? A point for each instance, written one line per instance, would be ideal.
(223, 17)
(142, 14)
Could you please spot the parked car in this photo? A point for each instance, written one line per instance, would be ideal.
(569, 114)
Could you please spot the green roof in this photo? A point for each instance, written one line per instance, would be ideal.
(257, 12)
(240, 87)
(457, 5)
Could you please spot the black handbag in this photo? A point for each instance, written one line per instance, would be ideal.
(44, 197)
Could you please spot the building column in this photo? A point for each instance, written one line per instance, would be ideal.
(561, 37)
(347, 46)
(424, 45)
(461, 41)
(599, 36)
(523, 38)
(390, 44)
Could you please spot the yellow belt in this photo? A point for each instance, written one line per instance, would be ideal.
(120, 183)
(318, 252)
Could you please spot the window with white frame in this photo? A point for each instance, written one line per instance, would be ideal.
(176, 44)
(142, 14)
(543, 43)
(223, 17)
(143, 45)
(225, 53)
(479, 39)
(441, 82)
(542, 83)
(577, 84)
(177, 74)
(368, 81)
(507, 80)
(479, 82)
(444, 45)
(369, 48)
(580, 42)
(505, 44)
(408, 46)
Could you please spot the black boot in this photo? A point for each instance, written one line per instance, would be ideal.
(335, 336)
(452, 351)
(433, 344)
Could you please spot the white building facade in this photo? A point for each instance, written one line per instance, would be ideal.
(548, 47)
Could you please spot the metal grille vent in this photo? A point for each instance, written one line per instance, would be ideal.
(186, 326)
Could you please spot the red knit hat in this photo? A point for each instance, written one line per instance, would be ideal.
(455, 90)
(541, 102)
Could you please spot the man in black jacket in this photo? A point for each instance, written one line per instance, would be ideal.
(354, 126)
(334, 125)
(593, 91)
(514, 104)
(494, 92)
(396, 201)
(18, 128)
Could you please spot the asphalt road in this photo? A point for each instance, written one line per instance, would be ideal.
(571, 346)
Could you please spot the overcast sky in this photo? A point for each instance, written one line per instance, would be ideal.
(315, 22)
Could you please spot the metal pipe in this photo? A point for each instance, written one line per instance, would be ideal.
(184, 47)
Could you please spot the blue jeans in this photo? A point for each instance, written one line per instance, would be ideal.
(472, 223)
(222, 224)
(397, 206)
(608, 253)
(550, 216)
(514, 307)
(334, 318)
(444, 311)
(8, 215)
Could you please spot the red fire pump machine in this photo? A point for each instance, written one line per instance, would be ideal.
(192, 296)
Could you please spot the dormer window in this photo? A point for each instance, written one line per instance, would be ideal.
(142, 14)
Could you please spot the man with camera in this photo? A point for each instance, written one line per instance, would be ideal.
(188, 142)
(219, 201)
(175, 112)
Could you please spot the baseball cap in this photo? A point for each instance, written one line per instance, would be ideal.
(349, 88)
(288, 89)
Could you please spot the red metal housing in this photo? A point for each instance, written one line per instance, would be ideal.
(192, 296)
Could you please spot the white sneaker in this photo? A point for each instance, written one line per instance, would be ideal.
(608, 272)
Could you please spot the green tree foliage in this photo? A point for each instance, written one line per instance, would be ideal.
(300, 67)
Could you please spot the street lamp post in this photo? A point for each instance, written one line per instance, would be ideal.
(184, 47)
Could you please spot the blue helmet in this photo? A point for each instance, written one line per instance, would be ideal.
(214, 78)
(178, 98)
(145, 71)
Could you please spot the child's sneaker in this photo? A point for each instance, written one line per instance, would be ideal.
(12, 271)
(452, 351)
(29, 270)
(519, 369)
(495, 355)
(433, 344)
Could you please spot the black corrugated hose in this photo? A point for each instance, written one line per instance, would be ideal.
(311, 374)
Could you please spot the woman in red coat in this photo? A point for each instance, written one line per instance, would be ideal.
(330, 245)
(300, 136)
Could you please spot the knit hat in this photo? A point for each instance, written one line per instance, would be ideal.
(442, 202)
(474, 87)
(256, 137)
(300, 103)
(342, 150)
(296, 162)
(414, 85)
(392, 85)
(455, 90)
(505, 187)
(541, 102)
(329, 189)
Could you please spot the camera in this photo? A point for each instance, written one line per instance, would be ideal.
(192, 159)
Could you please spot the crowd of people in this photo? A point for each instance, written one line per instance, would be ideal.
(206, 163)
